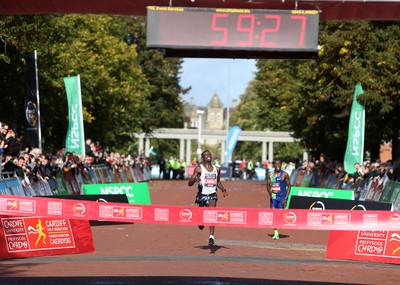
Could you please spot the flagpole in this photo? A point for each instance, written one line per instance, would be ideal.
(228, 109)
(38, 103)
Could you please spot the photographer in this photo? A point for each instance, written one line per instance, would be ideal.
(8, 137)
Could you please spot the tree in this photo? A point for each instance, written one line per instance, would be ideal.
(259, 111)
(163, 74)
(313, 98)
(121, 93)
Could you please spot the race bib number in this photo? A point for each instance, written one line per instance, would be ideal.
(276, 188)
(210, 180)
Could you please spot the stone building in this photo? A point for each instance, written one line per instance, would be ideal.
(214, 117)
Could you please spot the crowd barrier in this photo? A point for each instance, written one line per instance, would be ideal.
(377, 189)
(71, 182)
(317, 179)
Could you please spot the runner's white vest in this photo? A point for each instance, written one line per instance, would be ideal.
(208, 180)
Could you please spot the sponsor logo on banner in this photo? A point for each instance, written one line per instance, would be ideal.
(161, 214)
(317, 194)
(371, 243)
(120, 212)
(185, 215)
(54, 208)
(13, 226)
(17, 243)
(134, 213)
(359, 207)
(75, 139)
(375, 246)
(78, 209)
(290, 219)
(23, 234)
(328, 219)
(370, 247)
(370, 220)
(378, 243)
(21, 206)
(393, 246)
(224, 217)
(266, 218)
(127, 190)
(13, 205)
(342, 219)
(102, 200)
(318, 205)
(31, 113)
(136, 193)
(373, 234)
(394, 220)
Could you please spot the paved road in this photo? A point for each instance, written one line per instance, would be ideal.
(172, 254)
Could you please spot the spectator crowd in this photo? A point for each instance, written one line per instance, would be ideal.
(32, 165)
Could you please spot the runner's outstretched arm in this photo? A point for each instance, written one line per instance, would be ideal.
(195, 177)
(219, 183)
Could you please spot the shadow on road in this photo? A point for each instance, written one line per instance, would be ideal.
(212, 248)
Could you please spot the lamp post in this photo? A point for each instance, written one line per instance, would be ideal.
(229, 98)
(200, 113)
(228, 111)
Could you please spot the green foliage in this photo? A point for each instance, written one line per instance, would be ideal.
(262, 111)
(166, 106)
(113, 86)
(359, 51)
(122, 92)
(313, 98)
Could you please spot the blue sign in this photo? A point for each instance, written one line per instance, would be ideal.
(233, 136)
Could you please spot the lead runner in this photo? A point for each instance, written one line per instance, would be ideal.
(208, 177)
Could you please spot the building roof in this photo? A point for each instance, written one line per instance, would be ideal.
(215, 102)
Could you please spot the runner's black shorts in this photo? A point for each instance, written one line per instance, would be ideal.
(203, 200)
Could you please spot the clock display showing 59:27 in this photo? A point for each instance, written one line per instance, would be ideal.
(233, 29)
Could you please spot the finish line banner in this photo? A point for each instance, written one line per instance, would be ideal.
(43, 236)
(193, 216)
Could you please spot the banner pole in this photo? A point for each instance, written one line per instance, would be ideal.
(38, 103)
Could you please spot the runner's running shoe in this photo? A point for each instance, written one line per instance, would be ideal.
(275, 236)
(211, 241)
(201, 227)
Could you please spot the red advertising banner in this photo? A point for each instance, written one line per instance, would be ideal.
(42, 236)
(190, 170)
(375, 246)
(179, 215)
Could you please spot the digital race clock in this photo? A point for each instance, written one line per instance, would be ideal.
(239, 33)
